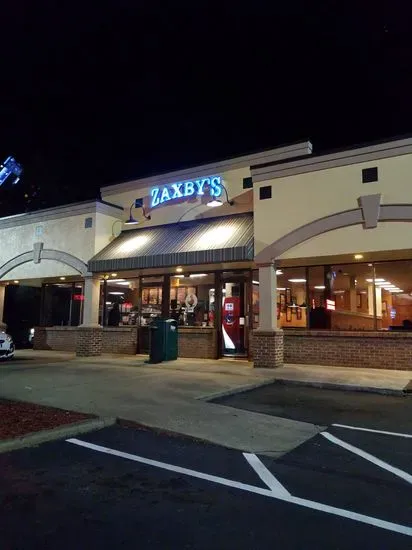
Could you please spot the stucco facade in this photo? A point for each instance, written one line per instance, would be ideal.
(309, 212)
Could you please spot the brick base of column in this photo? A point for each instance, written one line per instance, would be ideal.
(267, 349)
(89, 341)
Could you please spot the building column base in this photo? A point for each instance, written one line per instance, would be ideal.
(267, 348)
(89, 341)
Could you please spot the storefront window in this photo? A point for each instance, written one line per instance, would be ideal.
(151, 299)
(62, 304)
(121, 299)
(192, 299)
(393, 281)
(291, 293)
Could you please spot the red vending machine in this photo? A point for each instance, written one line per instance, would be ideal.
(231, 328)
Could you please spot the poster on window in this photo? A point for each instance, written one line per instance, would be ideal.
(153, 296)
(145, 296)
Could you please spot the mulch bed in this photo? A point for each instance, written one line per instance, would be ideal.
(18, 418)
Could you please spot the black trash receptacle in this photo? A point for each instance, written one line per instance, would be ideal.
(170, 338)
(163, 340)
(157, 341)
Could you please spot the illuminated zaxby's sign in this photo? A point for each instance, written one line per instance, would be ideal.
(211, 186)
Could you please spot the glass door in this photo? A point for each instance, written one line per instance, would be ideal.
(235, 308)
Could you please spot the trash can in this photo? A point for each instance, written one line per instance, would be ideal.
(171, 332)
(163, 340)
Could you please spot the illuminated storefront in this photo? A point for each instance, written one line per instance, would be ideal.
(278, 256)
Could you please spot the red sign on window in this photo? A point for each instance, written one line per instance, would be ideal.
(78, 297)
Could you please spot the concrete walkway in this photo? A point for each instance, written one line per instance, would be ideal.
(380, 380)
(160, 397)
(173, 396)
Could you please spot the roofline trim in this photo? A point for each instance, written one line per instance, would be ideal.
(368, 153)
(65, 211)
(284, 152)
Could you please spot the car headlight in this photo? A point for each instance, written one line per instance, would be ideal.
(32, 332)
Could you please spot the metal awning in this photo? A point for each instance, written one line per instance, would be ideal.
(212, 240)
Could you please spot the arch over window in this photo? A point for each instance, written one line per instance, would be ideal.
(357, 216)
(44, 254)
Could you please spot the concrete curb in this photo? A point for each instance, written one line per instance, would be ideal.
(342, 387)
(308, 383)
(36, 438)
(234, 391)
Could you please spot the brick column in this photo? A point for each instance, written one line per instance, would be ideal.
(89, 338)
(267, 348)
(89, 341)
(267, 341)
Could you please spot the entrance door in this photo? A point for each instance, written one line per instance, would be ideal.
(234, 329)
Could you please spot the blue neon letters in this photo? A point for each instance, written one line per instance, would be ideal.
(204, 186)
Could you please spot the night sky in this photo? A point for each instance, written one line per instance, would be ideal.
(95, 93)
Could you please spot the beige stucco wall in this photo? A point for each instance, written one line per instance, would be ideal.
(66, 234)
(300, 199)
(170, 212)
(105, 230)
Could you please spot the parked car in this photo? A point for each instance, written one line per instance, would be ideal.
(6, 346)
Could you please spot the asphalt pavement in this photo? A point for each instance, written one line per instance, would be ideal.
(123, 487)
(324, 407)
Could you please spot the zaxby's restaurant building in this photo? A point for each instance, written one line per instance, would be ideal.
(279, 256)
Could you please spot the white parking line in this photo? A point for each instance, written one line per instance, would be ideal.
(373, 431)
(389, 526)
(377, 461)
(267, 477)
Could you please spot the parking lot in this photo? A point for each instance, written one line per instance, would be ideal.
(127, 487)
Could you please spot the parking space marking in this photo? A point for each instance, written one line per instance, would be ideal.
(369, 520)
(267, 477)
(373, 431)
(371, 458)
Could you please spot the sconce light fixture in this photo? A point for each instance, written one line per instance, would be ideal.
(215, 201)
(138, 203)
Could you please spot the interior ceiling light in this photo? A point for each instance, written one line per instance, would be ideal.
(339, 292)
(358, 256)
(179, 269)
(281, 288)
(178, 276)
(62, 278)
(279, 272)
(255, 282)
(114, 274)
(320, 287)
(194, 275)
(116, 293)
(376, 280)
(396, 290)
(297, 280)
(16, 282)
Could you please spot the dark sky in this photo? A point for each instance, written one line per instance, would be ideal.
(98, 92)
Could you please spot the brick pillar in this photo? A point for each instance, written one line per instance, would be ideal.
(267, 341)
(89, 341)
(267, 348)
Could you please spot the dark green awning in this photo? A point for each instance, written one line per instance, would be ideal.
(212, 240)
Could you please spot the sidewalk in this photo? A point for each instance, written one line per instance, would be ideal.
(174, 396)
(346, 378)
(160, 396)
